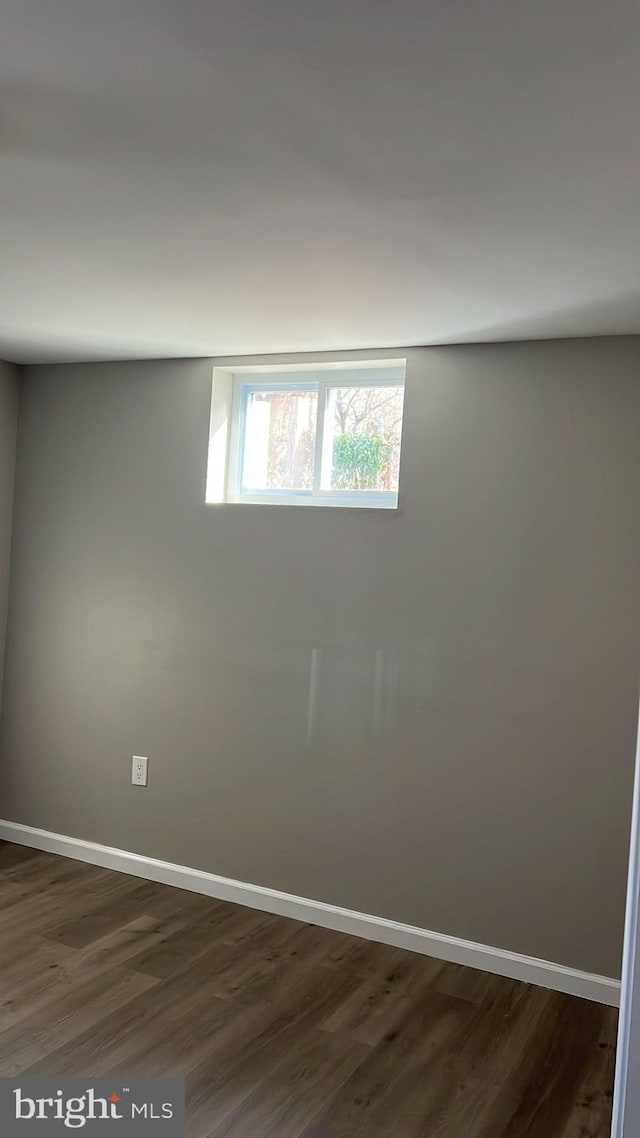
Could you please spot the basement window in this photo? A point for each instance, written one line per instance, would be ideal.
(326, 436)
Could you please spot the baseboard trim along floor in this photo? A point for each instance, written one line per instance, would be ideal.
(501, 962)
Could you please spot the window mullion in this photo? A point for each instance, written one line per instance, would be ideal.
(317, 465)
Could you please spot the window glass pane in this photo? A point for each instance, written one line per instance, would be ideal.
(279, 440)
(361, 448)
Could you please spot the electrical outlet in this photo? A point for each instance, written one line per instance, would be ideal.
(139, 770)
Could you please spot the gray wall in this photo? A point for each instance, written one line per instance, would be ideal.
(8, 431)
(485, 791)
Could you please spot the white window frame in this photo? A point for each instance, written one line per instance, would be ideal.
(322, 381)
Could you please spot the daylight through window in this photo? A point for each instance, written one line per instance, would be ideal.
(326, 438)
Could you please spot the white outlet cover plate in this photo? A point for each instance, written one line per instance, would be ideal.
(139, 766)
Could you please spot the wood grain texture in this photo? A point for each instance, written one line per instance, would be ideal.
(283, 1030)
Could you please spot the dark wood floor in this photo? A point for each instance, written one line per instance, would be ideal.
(283, 1030)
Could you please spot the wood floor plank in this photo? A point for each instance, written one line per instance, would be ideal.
(282, 1106)
(12, 855)
(366, 958)
(481, 1061)
(283, 1029)
(54, 967)
(66, 1016)
(119, 1035)
(81, 931)
(467, 983)
(54, 898)
(185, 945)
(544, 1089)
(225, 1081)
(46, 869)
(590, 1114)
(410, 1055)
(124, 944)
(370, 1013)
(189, 1040)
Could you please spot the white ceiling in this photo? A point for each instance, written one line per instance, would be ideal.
(205, 177)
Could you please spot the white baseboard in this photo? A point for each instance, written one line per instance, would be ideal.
(502, 962)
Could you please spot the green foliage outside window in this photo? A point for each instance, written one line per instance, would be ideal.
(359, 461)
